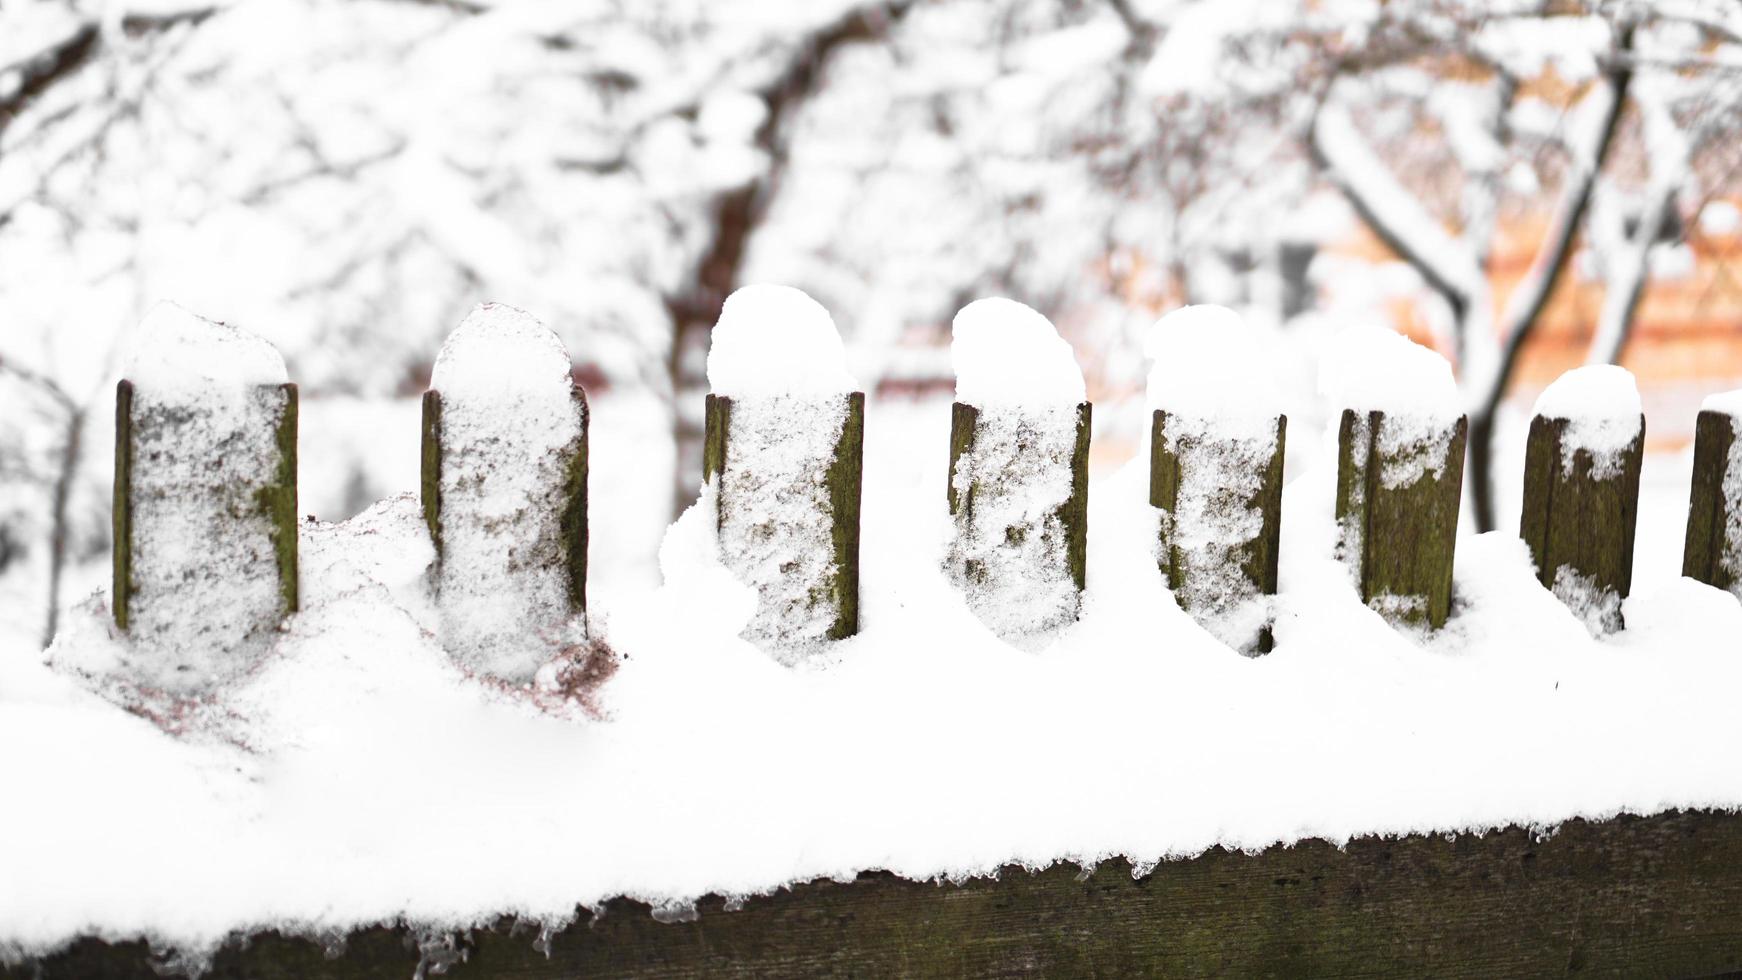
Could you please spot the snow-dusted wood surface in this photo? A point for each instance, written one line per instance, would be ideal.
(1636, 896)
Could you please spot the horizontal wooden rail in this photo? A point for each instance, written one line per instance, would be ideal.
(1634, 896)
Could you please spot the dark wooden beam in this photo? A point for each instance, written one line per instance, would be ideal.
(1635, 896)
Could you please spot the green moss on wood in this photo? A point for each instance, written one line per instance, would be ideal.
(430, 472)
(1407, 535)
(1074, 515)
(716, 423)
(1258, 563)
(1571, 518)
(278, 500)
(121, 501)
(1708, 506)
(845, 481)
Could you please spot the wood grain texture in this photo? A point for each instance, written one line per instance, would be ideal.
(1575, 519)
(278, 500)
(846, 479)
(1259, 562)
(1709, 508)
(1073, 515)
(1634, 896)
(1408, 534)
(572, 519)
(430, 468)
(121, 506)
(845, 482)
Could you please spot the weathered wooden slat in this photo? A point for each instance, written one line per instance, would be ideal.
(1170, 464)
(844, 480)
(430, 459)
(276, 499)
(572, 517)
(1405, 536)
(1631, 896)
(1073, 514)
(121, 507)
(1581, 520)
(1709, 507)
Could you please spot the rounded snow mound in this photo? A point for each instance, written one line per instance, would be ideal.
(1006, 354)
(174, 350)
(499, 349)
(776, 340)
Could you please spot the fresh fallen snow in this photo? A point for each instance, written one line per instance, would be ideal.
(175, 352)
(1207, 362)
(1600, 403)
(1006, 354)
(510, 431)
(1373, 369)
(359, 775)
(775, 340)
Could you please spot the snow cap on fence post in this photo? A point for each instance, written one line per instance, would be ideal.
(1712, 552)
(1216, 447)
(782, 451)
(1400, 471)
(1581, 490)
(505, 493)
(205, 557)
(1019, 469)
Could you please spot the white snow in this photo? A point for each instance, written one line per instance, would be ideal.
(775, 340)
(1207, 362)
(1600, 403)
(1006, 354)
(1724, 402)
(913, 747)
(175, 352)
(1375, 369)
(510, 427)
(499, 350)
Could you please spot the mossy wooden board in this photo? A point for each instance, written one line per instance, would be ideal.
(573, 517)
(1259, 563)
(1575, 518)
(1407, 534)
(1073, 514)
(276, 498)
(845, 480)
(1709, 507)
(1632, 896)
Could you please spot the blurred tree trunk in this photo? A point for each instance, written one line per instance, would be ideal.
(736, 216)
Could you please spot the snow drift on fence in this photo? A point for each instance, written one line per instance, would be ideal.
(359, 775)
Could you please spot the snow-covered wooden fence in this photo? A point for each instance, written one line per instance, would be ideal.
(206, 456)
